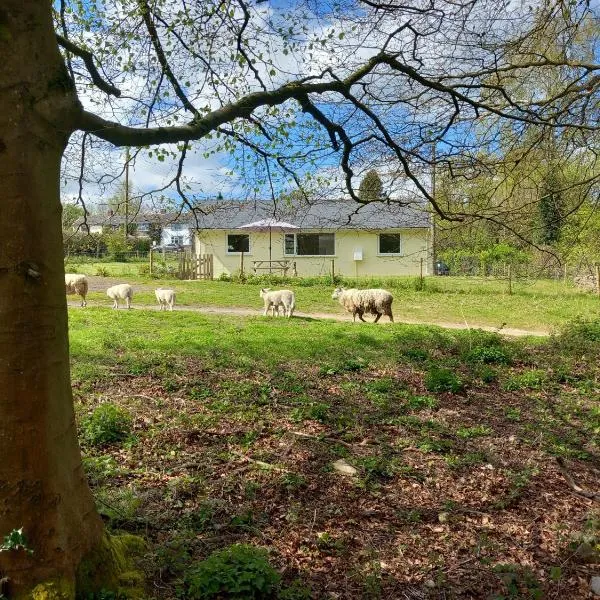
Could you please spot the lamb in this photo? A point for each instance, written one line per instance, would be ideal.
(76, 283)
(123, 291)
(275, 299)
(358, 302)
(165, 298)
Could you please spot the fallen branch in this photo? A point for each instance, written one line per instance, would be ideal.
(571, 482)
(320, 438)
(260, 463)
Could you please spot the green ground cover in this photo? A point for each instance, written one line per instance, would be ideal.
(534, 305)
(218, 430)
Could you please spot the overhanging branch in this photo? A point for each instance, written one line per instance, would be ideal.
(88, 59)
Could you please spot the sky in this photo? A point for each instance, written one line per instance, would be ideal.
(217, 173)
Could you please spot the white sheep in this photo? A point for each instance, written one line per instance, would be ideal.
(274, 299)
(165, 297)
(358, 302)
(76, 283)
(123, 291)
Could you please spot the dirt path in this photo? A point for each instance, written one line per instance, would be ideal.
(249, 312)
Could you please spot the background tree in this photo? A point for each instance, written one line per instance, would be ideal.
(281, 86)
(550, 207)
(70, 213)
(371, 187)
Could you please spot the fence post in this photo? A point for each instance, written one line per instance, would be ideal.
(565, 270)
(242, 264)
(509, 273)
(421, 274)
(332, 270)
(597, 279)
(151, 260)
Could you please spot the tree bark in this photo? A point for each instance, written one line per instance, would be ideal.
(42, 485)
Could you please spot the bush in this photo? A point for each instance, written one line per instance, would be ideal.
(488, 355)
(442, 380)
(581, 336)
(530, 380)
(100, 468)
(239, 571)
(108, 424)
(102, 272)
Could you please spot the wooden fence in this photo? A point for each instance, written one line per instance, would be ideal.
(195, 267)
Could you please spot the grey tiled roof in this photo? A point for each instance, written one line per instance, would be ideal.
(332, 214)
(161, 218)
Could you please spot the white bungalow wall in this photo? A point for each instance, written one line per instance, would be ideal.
(415, 246)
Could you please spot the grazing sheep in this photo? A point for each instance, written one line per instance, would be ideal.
(165, 298)
(275, 299)
(123, 291)
(77, 284)
(358, 302)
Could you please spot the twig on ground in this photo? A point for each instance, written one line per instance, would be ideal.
(578, 490)
(260, 463)
(320, 438)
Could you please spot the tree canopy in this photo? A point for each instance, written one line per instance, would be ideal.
(302, 86)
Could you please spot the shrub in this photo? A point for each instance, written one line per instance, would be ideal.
(102, 272)
(108, 424)
(421, 402)
(440, 379)
(238, 571)
(100, 468)
(580, 337)
(488, 355)
(531, 380)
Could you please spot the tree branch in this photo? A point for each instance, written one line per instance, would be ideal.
(571, 482)
(88, 59)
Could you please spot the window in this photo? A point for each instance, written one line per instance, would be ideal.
(390, 243)
(177, 239)
(310, 244)
(238, 242)
(143, 226)
(176, 226)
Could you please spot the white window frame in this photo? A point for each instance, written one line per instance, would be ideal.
(309, 255)
(237, 253)
(380, 253)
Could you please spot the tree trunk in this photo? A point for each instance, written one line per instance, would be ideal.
(42, 485)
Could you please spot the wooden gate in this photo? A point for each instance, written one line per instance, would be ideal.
(195, 267)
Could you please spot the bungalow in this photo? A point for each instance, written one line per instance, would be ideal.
(376, 239)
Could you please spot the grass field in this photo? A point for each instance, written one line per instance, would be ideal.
(229, 427)
(534, 305)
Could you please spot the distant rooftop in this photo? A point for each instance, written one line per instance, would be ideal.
(326, 214)
(160, 218)
(329, 214)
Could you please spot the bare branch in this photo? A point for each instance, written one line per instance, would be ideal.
(88, 59)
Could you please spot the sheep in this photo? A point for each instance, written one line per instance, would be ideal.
(77, 284)
(359, 302)
(275, 299)
(123, 291)
(165, 298)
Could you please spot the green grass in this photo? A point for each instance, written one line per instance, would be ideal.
(236, 423)
(138, 339)
(539, 305)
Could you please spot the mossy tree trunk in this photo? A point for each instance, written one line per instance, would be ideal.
(42, 485)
